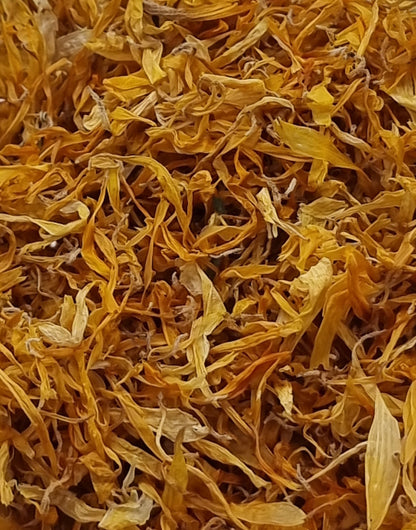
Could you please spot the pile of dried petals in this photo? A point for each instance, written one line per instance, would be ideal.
(207, 268)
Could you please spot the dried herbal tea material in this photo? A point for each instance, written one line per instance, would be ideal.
(207, 264)
(382, 463)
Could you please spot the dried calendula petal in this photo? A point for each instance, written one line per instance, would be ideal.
(135, 511)
(408, 452)
(172, 421)
(321, 104)
(64, 337)
(304, 141)
(382, 463)
(269, 513)
(6, 491)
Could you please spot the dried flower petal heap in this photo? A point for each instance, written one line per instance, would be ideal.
(207, 264)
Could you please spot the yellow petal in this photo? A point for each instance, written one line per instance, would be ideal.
(270, 513)
(309, 143)
(382, 464)
(6, 492)
(135, 511)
